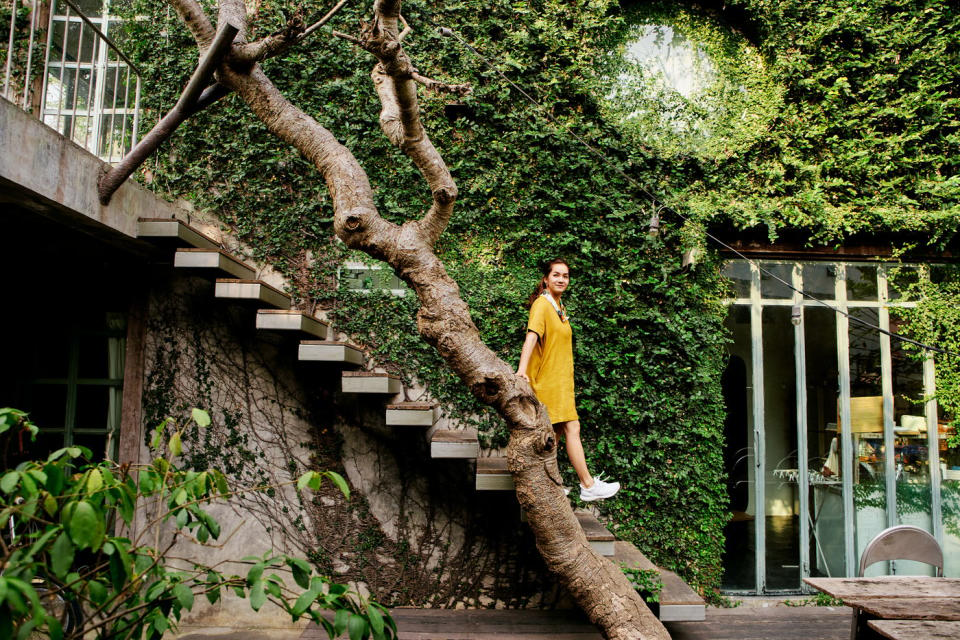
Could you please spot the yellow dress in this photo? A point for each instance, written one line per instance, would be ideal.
(551, 364)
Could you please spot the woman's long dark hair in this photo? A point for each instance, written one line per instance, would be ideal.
(545, 270)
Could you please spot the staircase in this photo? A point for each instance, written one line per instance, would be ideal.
(236, 280)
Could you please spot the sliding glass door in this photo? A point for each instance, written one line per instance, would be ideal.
(831, 433)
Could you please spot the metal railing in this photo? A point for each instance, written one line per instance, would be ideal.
(87, 90)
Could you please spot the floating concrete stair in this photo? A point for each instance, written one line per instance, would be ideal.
(324, 351)
(600, 539)
(492, 475)
(291, 320)
(252, 290)
(454, 444)
(370, 382)
(678, 602)
(412, 414)
(173, 231)
(213, 260)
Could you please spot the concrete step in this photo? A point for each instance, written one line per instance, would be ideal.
(678, 601)
(412, 414)
(492, 475)
(600, 539)
(173, 232)
(251, 290)
(454, 444)
(291, 320)
(212, 261)
(370, 382)
(327, 351)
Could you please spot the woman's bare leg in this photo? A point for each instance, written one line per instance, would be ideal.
(570, 431)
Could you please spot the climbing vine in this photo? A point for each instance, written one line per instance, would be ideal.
(857, 129)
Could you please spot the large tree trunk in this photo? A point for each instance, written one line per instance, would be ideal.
(444, 318)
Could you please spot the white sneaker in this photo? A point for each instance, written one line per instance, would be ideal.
(598, 490)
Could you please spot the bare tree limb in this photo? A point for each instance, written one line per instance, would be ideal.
(325, 19)
(406, 29)
(269, 46)
(234, 12)
(348, 38)
(400, 114)
(195, 97)
(441, 87)
(282, 41)
(196, 21)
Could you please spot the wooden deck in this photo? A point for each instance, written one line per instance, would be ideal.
(773, 623)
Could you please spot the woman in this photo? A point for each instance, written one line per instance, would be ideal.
(546, 362)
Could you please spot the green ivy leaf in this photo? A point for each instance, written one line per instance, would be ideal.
(61, 555)
(184, 595)
(340, 620)
(258, 595)
(176, 447)
(94, 481)
(303, 603)
(9, 481)
(339, 481)
(201, 417)
(376, 623)
(98, 591)
(86, 526)
(301, 571)
(357, 627)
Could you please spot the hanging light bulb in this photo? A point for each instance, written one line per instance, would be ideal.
(796, 315)
(654, 224)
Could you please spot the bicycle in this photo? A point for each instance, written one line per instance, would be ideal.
(67, 612)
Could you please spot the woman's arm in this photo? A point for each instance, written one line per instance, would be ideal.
(525, 353)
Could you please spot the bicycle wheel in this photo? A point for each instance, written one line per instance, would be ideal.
(68, 613)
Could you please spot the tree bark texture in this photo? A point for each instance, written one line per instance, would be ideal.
(444, 319)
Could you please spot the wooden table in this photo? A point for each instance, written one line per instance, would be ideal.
(909, 601)
(887, 587)
(916, 629)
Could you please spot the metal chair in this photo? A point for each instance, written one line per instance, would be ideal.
(902, 542)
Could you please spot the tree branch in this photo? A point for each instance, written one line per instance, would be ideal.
(195, 97)
(444, 318)
(234, 12)
(325, 19)
(282, 41)
(393, 78)
(355, 215)
(441, 87)
(196, 21)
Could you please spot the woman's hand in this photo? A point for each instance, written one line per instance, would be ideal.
(523, 375)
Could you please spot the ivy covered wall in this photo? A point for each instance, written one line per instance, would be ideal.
(856, 127)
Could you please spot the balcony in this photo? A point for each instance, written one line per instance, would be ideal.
(62, 66)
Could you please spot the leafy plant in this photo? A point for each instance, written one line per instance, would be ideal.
(646, 581)
(65, 543)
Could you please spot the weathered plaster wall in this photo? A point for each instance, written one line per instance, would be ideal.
(415, 532)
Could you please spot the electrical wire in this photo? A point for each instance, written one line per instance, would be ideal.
(663, 207)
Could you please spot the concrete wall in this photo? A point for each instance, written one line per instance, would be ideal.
(414, 532)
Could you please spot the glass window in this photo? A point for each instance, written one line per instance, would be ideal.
(739, 554)
(891, 459)
(819, 280)
(739, 273)
(772, 280)
(861, 282)
(85, 79)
